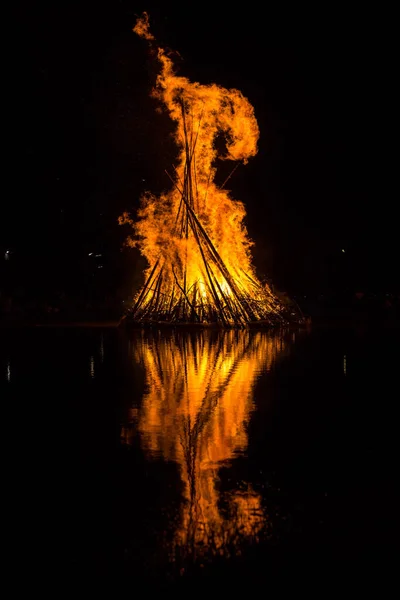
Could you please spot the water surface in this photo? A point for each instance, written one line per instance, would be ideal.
(175, 456)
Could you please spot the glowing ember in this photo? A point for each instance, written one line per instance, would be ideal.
(193, 237)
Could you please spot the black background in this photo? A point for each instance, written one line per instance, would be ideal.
(83, 139)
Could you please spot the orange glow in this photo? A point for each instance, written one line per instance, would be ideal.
(194, 237)
(195, 412)
(142, 27)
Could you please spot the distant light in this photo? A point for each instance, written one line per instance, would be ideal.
(98, 255)
(90, 253)
(343, 250)
(99, 266)
(7, 252)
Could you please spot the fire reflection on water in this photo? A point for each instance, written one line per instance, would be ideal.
(195, 412)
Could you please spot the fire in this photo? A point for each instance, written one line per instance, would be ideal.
(194, 237)
(195, 411)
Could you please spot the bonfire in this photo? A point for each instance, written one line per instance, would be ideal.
(193, 237)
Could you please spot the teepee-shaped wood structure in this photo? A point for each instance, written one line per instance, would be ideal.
(215, 298)
(194, 237)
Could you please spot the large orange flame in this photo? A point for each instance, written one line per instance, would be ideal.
(194, 237)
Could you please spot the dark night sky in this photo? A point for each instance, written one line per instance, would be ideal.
(83, 134)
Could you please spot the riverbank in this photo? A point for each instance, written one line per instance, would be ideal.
(61, 324)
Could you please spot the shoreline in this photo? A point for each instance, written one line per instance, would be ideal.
(106, 324)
